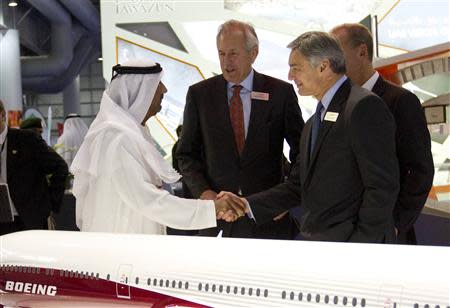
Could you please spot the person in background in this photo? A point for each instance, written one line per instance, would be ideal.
(412, 135)
(118, 171)
(34, 124)
(72, 137)
(234, 129)
(346, 178)
(35, 175)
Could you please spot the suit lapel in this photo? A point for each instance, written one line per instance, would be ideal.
(305, 141)
(260, 110)
(10, 156)
(335, 106)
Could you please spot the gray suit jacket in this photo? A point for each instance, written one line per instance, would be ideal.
(348, 189)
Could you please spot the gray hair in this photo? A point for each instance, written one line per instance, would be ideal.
(317, 46)
(251, 39)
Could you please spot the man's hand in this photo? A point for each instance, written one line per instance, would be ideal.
(208, 195)
(229, 207)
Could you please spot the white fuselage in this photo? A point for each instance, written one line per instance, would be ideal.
(235, 272)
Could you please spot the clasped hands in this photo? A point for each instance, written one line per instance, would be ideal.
(229, 206)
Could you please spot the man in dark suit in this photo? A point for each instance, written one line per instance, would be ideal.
(35, 174)
(412, 136)
(346, 176)
(233, 131)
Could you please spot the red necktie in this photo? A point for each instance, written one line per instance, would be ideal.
(237, 118)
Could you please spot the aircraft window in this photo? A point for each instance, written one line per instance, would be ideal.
(126, 279)
(221, 288)
(250, 291)
(30, 269)
(344, 300)
(308, 297)
(71, 274)
(416, 305)
(235, 290)
(317, 298)
(283, 295)
(243, 291)
(33, 270)
(354, 302)
(426, 306)
(437, 306)
(180, 284)
(76, 274)
(186, 285)
(161, 282)
(51, 272)
(327, 299)
(38, 270)
(228, 289)
(108, 276)
(206, 287)
(363, 302)
(258, 292)
(93, 275)
(167, 283)
(149, 281)
(20, 269)
(200, 286)
(213, 288)
(335, 300)
(174, 283)
(47, 271)
(96, 276)
(136, 280)
(66, 273)
(266, 293)
(155, 282)
(300, 296)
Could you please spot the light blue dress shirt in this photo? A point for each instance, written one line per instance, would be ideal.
(326, 99)
(246, 91)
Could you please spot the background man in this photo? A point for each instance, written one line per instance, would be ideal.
(346, 176)
(35, 124)
(412, 136)
(234, 128)
(35, 174)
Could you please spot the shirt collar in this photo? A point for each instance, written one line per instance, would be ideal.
(371, 82)
(326, 99)
(247, 83)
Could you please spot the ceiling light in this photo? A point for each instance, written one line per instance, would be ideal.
(12, 3)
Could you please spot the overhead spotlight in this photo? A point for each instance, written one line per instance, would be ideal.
(12, 3)
(100, 59)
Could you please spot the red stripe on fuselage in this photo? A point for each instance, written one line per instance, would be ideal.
(42, 282)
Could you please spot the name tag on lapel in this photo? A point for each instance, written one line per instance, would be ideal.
(331, 116)
(260, 96)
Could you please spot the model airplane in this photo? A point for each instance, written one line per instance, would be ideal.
(77, 269)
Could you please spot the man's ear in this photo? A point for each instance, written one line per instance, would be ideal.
(362, 52)
(254, 53)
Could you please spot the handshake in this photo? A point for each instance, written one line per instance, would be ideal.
(229, 207)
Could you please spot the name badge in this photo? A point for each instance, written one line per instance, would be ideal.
(331, 116)
(260, 96)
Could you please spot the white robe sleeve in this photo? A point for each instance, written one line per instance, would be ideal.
(131, 184)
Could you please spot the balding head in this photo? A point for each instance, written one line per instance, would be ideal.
(357, 44)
